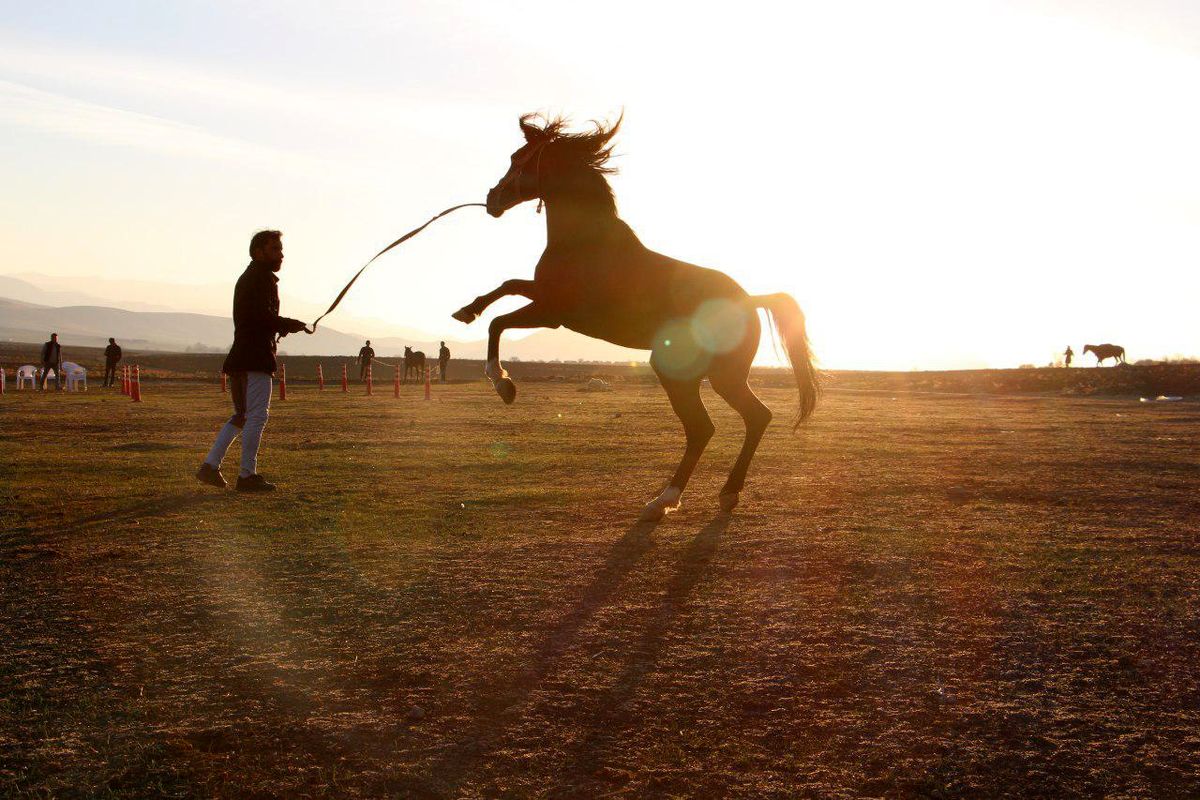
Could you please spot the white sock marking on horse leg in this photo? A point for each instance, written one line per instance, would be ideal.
(664, 504)
(494, 371)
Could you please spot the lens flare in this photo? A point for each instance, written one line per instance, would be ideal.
(719, 325)
(677, 354)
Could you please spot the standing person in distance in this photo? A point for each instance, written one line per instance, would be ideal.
(250, 364)
(443, 360)
(1068, 355)
(112, 356)
(365, 356)
(52, 360)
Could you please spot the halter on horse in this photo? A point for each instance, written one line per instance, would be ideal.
(595, 277)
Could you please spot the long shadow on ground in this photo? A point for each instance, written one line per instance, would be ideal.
(504, 701)
(611, 710)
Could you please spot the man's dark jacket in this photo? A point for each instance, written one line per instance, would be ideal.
(256, 321)
(112, 354)
(51, 353)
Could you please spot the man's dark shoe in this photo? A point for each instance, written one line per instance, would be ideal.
(254, 483)
(211, 475)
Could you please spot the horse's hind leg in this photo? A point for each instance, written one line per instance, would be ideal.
(697, 426)
(729, 380)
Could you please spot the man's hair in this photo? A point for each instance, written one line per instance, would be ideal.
(112, 340)
(261, 238)
(53, 335)
(368, 341)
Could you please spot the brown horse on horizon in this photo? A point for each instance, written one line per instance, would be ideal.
(414, 361)
(1104, 351)
(595, 277)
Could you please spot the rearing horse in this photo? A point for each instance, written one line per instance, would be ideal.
(595, 277)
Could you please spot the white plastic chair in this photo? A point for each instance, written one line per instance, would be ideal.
(75, 376)
(27, 373)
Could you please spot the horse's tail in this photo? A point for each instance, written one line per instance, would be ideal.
(788, 319)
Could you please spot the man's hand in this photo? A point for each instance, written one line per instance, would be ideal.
(288, 325)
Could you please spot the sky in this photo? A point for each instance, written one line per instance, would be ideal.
(939, 184)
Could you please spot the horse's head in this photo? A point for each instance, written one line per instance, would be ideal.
(549, 160)
(407, 350)
(1088, 348)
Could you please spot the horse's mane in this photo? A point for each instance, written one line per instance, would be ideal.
(589, 149)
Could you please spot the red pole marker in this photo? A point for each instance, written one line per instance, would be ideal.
(396, 380)
(427, 394)
(320, 379)
(282, 382)
(370, 387)
(345, 386)
(137, 384)
(224, 385)
(3, 381)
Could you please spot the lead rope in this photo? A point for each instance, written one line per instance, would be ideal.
(401, 240)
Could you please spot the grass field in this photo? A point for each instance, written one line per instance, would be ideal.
(922, 595)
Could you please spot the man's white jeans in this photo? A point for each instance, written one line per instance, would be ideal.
(252, 418)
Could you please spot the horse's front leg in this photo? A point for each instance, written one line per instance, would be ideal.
(530, 316)
(471, 311)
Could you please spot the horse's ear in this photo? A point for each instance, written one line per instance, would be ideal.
(532, 133)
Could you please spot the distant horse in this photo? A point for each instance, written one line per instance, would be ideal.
(1103, 351)
(597, 278)
(414, 361)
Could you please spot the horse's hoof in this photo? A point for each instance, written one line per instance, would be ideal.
(507, 390)
(465, 315)
(662, 505)
(728, 501)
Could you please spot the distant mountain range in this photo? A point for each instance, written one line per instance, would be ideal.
(82, 319)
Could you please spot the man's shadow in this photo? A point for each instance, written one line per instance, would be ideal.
(506, 701)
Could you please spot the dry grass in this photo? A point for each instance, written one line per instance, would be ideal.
(921, 596)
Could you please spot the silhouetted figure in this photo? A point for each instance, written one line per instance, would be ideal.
(1068, 355)
(250, 364)
(597, 278)
(112, 356)
(365, 356)
(443, 360)
(414, 361)
(52, 360)
(1105, 351)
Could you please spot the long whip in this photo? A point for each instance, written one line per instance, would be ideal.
(401, 240)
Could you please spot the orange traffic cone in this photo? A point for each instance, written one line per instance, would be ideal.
(282, 382)
(136, 387)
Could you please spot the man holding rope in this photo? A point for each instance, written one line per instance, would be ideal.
(250, 364)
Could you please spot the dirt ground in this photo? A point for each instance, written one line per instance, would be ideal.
(922, 595)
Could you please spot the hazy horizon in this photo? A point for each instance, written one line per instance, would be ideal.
(938, 185)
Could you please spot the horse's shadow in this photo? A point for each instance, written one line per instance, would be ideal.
(487, 734)
(611, 708)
